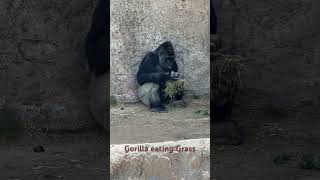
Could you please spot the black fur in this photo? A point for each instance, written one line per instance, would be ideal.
(98, 39)
(213, 19)
(223, 129)
(156, 67)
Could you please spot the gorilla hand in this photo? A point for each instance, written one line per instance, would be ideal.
(174, 75)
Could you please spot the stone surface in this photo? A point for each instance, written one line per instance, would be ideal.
(281, 43)
(141, 26)
(162, 165)
(42, 61)
(99, 98)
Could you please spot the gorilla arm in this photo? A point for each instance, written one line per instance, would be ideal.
(150, 71)
(157, 77)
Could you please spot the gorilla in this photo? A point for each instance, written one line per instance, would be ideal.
(98, 40)
(215, 43)
(97, 48)
(155, 69)
(224, 130)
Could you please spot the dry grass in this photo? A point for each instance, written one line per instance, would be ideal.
(226, 77)
(173, 88)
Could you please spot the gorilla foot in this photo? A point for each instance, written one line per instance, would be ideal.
(159, 109)
(227, 133)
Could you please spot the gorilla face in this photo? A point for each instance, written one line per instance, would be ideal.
(167, 57)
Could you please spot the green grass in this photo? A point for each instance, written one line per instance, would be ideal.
(113, 101)
(195, 97)
(282, 159)
(204, 112)
(310, 161)
(306, 161)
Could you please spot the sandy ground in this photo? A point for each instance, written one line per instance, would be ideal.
(71, 156)
(135, 123)
(296, 132)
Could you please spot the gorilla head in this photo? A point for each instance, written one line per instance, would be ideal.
(166, 56)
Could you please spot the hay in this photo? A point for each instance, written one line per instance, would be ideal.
(226, 77)
(173, 88)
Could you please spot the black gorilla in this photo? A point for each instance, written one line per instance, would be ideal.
(97, 51)
(224, 130)
(98, 40)
(155, 69)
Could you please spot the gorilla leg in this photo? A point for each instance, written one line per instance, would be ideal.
(97, 52)
(149, 94)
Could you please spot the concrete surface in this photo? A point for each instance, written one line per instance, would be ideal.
(144, 161)
(141, 26)
(281, 43)
(42, 60)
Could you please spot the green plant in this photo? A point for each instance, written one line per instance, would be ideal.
(282, 159)
(310, 161)
(204, 112)
(113, 101)
(195, 97)
(173, 88)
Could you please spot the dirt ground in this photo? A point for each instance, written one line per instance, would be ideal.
(135, 123)
(269, 134)
(80, 155)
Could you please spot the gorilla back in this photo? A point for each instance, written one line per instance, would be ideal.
(98, 40)
(155, 69)
(97, 52)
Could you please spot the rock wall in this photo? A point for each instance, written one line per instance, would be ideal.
(281, 43)
(42, 64)
(161, 165)
(140, 26)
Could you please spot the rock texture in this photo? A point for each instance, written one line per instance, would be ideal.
(281, 43)
(42, 61)
(161, 165)
(140, 26)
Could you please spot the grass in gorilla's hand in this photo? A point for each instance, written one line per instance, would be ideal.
(173, 88)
